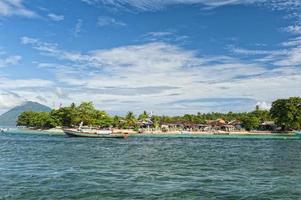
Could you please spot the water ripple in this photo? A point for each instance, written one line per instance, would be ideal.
(56, 167)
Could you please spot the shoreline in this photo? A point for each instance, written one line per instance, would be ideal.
(59, 131)
(177, 134)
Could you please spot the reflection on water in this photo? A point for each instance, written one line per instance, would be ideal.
(56, 167)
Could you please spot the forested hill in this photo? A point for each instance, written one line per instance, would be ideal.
(10, 117)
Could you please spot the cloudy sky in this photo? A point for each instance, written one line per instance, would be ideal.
(169, 57)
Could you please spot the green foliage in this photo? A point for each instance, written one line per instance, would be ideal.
(287, 113)
(250, 122)
(143, 116)
(87, 113)
(262, 115)
(130, 120)
(102, 119)
(66, 116)
(118, 122)
(156, 121)
(10, 117)
(36, 119)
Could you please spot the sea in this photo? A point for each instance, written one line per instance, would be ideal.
(42, 166)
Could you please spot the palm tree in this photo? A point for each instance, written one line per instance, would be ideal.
(130, 120)
(143, 116)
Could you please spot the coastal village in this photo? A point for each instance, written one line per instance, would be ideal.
(283, 117)
(211, 126)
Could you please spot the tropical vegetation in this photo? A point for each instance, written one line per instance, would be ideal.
(285, 112)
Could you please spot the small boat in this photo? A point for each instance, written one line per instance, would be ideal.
(92, 133)
(3, 130)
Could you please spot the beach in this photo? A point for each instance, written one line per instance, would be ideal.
(132, 133)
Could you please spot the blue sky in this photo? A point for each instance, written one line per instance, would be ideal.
(169, 57)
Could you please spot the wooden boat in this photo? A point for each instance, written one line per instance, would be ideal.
(92, 133)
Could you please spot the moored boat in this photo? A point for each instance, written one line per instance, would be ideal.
(3, 130)
(92, 133)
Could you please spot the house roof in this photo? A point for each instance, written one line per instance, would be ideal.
(216, 122)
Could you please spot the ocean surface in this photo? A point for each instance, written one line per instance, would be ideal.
(35, 166)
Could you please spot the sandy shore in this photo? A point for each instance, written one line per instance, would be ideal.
(130, 132)
(54, 130)
(210, 133)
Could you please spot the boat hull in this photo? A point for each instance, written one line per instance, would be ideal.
(72, 133)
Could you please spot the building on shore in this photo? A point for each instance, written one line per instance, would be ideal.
(268, 126)
(145, 124)
(210, 125)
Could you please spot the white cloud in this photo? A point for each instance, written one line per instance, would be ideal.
(10, 60)
(109, 21)
(289, 53)
(9, 100)
(292, 42)
(90, 1)
(263, 105)
(56, 17)
(156, 5)
(53, 50)
(152, 5)
(293, 58)
(295, 29)
(10, 84)
(150, 76)
(15, 7)
(252, 52)
(78, 27)
(159, 34)
(21, 90)
(167, 36)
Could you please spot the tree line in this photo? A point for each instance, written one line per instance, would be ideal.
(285, 112)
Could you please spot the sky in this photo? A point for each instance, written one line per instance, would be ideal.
(169, 57)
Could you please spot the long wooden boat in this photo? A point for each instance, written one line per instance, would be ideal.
(92, 134)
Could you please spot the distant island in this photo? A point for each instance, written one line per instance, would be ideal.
(284, 116)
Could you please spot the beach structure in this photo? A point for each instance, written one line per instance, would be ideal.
(222, 125)
(236, 123)
(193, 127)
(228, 128)
(216, 124)
(268, 126)
(167, 127)
(211, 125)
(145, 123)
(204, 127)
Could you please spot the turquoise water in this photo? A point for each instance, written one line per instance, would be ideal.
(274, 136)
(34, 166)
